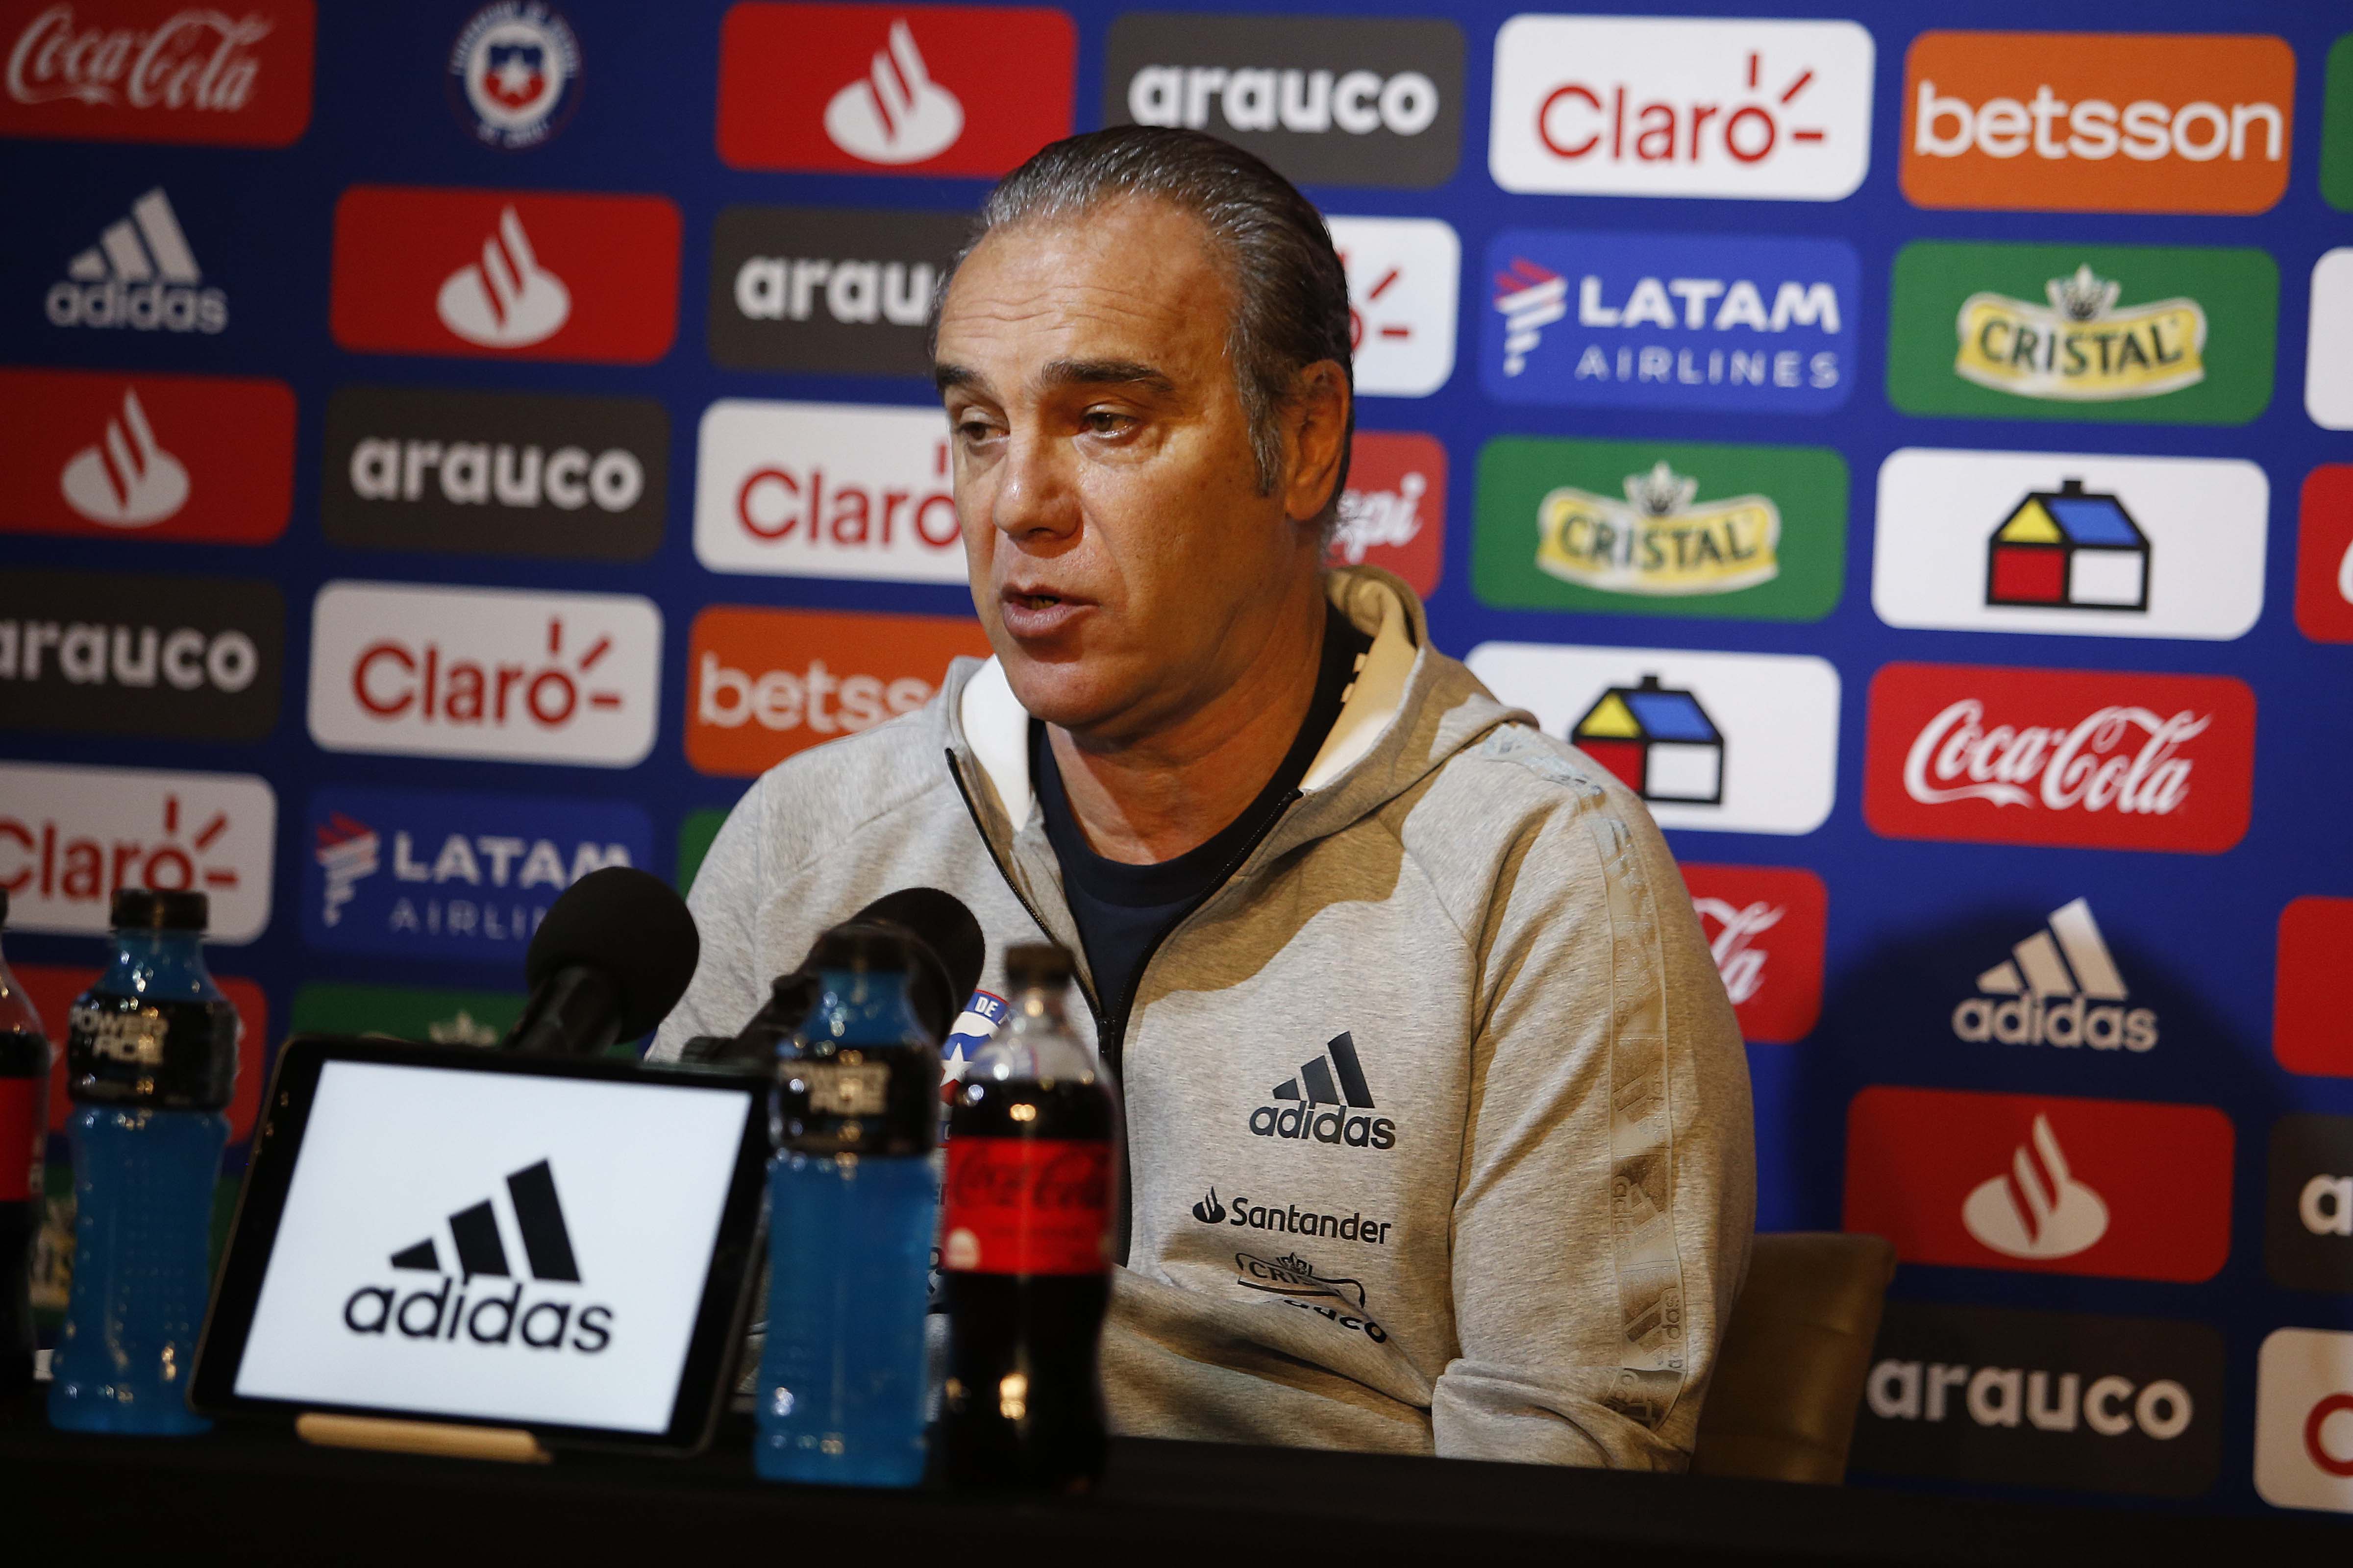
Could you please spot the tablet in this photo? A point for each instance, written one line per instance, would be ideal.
(441, 1232)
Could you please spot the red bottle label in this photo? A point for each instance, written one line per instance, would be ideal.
(21, 1133)
(1027, 1206)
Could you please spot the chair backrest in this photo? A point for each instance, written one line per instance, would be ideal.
(1788, 1376)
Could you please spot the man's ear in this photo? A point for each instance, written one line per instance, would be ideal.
(1315, 434)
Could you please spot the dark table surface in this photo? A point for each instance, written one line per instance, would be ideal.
(257, 1496)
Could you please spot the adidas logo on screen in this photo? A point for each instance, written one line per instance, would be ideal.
(142, 275)
(2059, 987)
(1333, 1078)
(478, 1246)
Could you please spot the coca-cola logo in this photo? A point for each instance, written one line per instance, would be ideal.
(154, 72)
(2028, 756)
(1764, 927)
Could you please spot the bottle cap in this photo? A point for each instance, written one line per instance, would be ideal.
(155, 908)
(1042, 963)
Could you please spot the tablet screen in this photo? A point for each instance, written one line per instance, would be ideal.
(525, 1249)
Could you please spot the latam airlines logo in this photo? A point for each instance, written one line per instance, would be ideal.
(151, 456)
(70, 837)
(141, 274)
(499, 1316)
(522, 274)
(447, 875)
(1377, 102)
(484, 672)
(2059, 987)
(1328, 1102)
(826, 489)
(1991, 755)
(2119, 1189)
(1654, 320)
(153, 70)
(887, 88)
(1680, 107)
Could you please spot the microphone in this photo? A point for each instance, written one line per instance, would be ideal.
(612, 957)
(949, 951)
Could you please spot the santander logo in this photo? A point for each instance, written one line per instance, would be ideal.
(148, 72)
(507, 299)
(127, 480)
(484, 672)
(2031, 756)
(2037, 1209)
(895, 113)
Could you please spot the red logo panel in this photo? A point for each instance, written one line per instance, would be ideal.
(208, 458)
(51, 988)
(158, 70)
(505, 274)
(2312, 1022)
(2324, 554)
(893, 89)
(2118, 1188)
(1393, 513)
(2099, 760)
(1766, 926)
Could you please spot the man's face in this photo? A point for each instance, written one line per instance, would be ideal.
(1121, 559)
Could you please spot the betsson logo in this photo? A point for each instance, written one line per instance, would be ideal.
(826, 489)
(70, 837)
(2059, 987)
(2032, 756)
(1333, 1078)
(2097, 121)
(484, 672)
(545, 1324)
(149, 72)
(1680, 107)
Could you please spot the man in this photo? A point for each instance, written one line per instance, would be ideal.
(1438, 1117)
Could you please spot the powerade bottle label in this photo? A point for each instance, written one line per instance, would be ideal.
(176, 1055)
(1027, 1206)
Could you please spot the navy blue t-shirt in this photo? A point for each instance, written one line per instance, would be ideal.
(1122, 910)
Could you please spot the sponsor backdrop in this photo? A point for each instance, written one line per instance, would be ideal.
(453, 445)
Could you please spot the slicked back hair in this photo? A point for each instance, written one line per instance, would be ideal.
(1290, 296)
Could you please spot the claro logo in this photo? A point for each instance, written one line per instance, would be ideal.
(1673, 106)
(70, 837)
(484, 672)
(1374, 102)
(1986, 754)
(2160, 123)
(764, 684)
(826, 489)
(137, 70)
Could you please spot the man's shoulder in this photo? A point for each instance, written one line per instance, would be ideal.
(1512, 792)
(822, 796)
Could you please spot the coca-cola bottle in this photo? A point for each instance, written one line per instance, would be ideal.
(1024, 1245)
(24, 1129)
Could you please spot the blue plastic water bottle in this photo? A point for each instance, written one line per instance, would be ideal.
(150, 1059)
(853, 1207)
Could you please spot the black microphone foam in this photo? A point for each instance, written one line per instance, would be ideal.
(946, 925)
(629, 925)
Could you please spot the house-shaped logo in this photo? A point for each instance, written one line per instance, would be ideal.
(2069, 549)
(1658, 740)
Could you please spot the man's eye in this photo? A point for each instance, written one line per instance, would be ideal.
(1107, 422)
(974, 431)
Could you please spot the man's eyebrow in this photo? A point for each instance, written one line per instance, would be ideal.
(1106, 373)
(946, 377)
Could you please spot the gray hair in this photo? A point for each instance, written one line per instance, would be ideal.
(1290, 293)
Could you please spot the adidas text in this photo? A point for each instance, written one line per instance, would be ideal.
(432, 1315)
(2031, 1021)
(1354, 1129)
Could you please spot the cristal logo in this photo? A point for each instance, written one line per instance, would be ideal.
(127, 480)
(1333, 1078)
(506, 300)
(196, 60)
(141, 274)
(70, 837)
(2085, 765)
(2060, 987)
(2038, 1209)
(896, 114)
(556, 1320)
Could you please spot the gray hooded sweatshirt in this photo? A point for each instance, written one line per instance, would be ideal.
(1438, 1117)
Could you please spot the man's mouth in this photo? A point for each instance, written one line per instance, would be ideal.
(1036, 612)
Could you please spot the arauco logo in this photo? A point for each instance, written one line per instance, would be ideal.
(554, 1321)
(1326, 1102)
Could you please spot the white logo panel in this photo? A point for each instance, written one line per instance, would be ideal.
(2303, 1420)
(70, 837)
(1774, 718)
(485, 673)
(1987, 541)
(2328, 356)
(1670, 106)
(827, 489)
(1403, 273)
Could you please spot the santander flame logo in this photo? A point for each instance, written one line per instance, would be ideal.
(2038, 1208)
(2118, 757)
(127, 480)
(506, 300)
(896, 114)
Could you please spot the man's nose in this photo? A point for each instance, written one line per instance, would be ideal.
(1033, 491)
